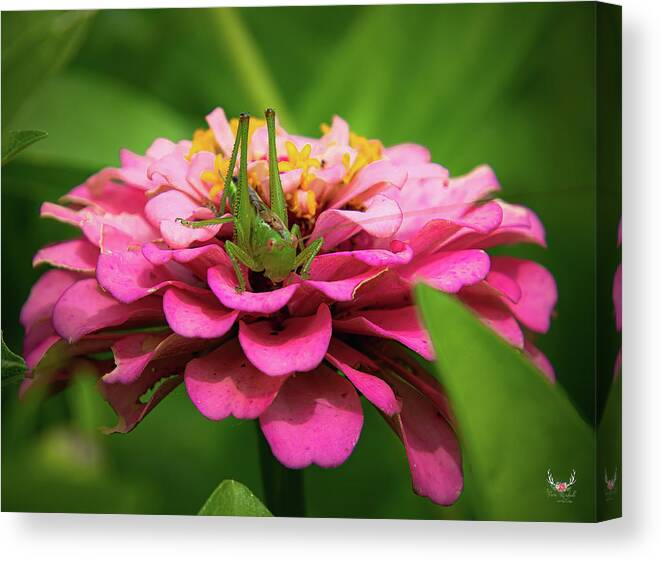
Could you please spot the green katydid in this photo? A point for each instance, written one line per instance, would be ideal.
(262, 240)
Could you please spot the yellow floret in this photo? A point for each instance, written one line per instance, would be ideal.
(203, 139)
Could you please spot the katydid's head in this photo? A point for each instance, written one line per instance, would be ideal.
(278, 258)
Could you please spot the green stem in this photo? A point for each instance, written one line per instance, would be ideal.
(235, 39)
(283, 487)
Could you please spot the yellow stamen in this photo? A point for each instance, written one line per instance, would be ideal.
(312, 205)
(300, 160)
(203, 139)
(216, 177)
(367, 151)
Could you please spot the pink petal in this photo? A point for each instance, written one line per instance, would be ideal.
(54, 352)
(407, 154)
(160, 148)
(539, 293)
(166, 207)
(339, 276)
(133, 353)
(198, 260)
(179, 236)
(36, 314)
(221, 130)
(45, 293)
(172, 170)
(338, 134)
(75, 255)
(197, 315)
(128, 276)
(107, 196)
(519, 225)
(375, 389)
(422, 198)
(224, 384)
(316, 418)
(399, 254)
(325, 180)
(496, 315)
(343, 290)
(169, 205)
(431, 446)
(61, 214)
(388, 290)
(85, 308)
(438, 233)
(116, 232)
(428, 194)
(382, 220)
(401, 361)
(465, 191)
(449, 271)
(290, 181)
(367, 183)
(222, 281)
(306, 301)
(298, 346)
(200, 162)
(126, 399)
(401, 324)
(134, 169)
(39, 339)
(504, 285)
(540, 360)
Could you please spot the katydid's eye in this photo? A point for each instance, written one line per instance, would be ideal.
(270, 244)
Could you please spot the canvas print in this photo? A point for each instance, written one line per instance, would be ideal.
(358, 261)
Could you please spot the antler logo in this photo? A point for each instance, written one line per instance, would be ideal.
(611, 484)
(562, 491)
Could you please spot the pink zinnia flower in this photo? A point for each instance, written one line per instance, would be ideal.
(389, 217)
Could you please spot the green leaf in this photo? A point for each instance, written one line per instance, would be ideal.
(13, 366)
(90, 119)
(18, 141)
(234, 499)
(513, 424)
(234, 37)
(446, 60)
(35, 46)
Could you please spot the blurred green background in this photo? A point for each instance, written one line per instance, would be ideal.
(511, 85)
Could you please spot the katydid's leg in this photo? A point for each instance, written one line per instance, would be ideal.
(236, 255)
(296, 232)
(202, 224)
(306, 256)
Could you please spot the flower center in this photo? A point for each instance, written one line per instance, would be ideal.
(216, 177)
(203, 139)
